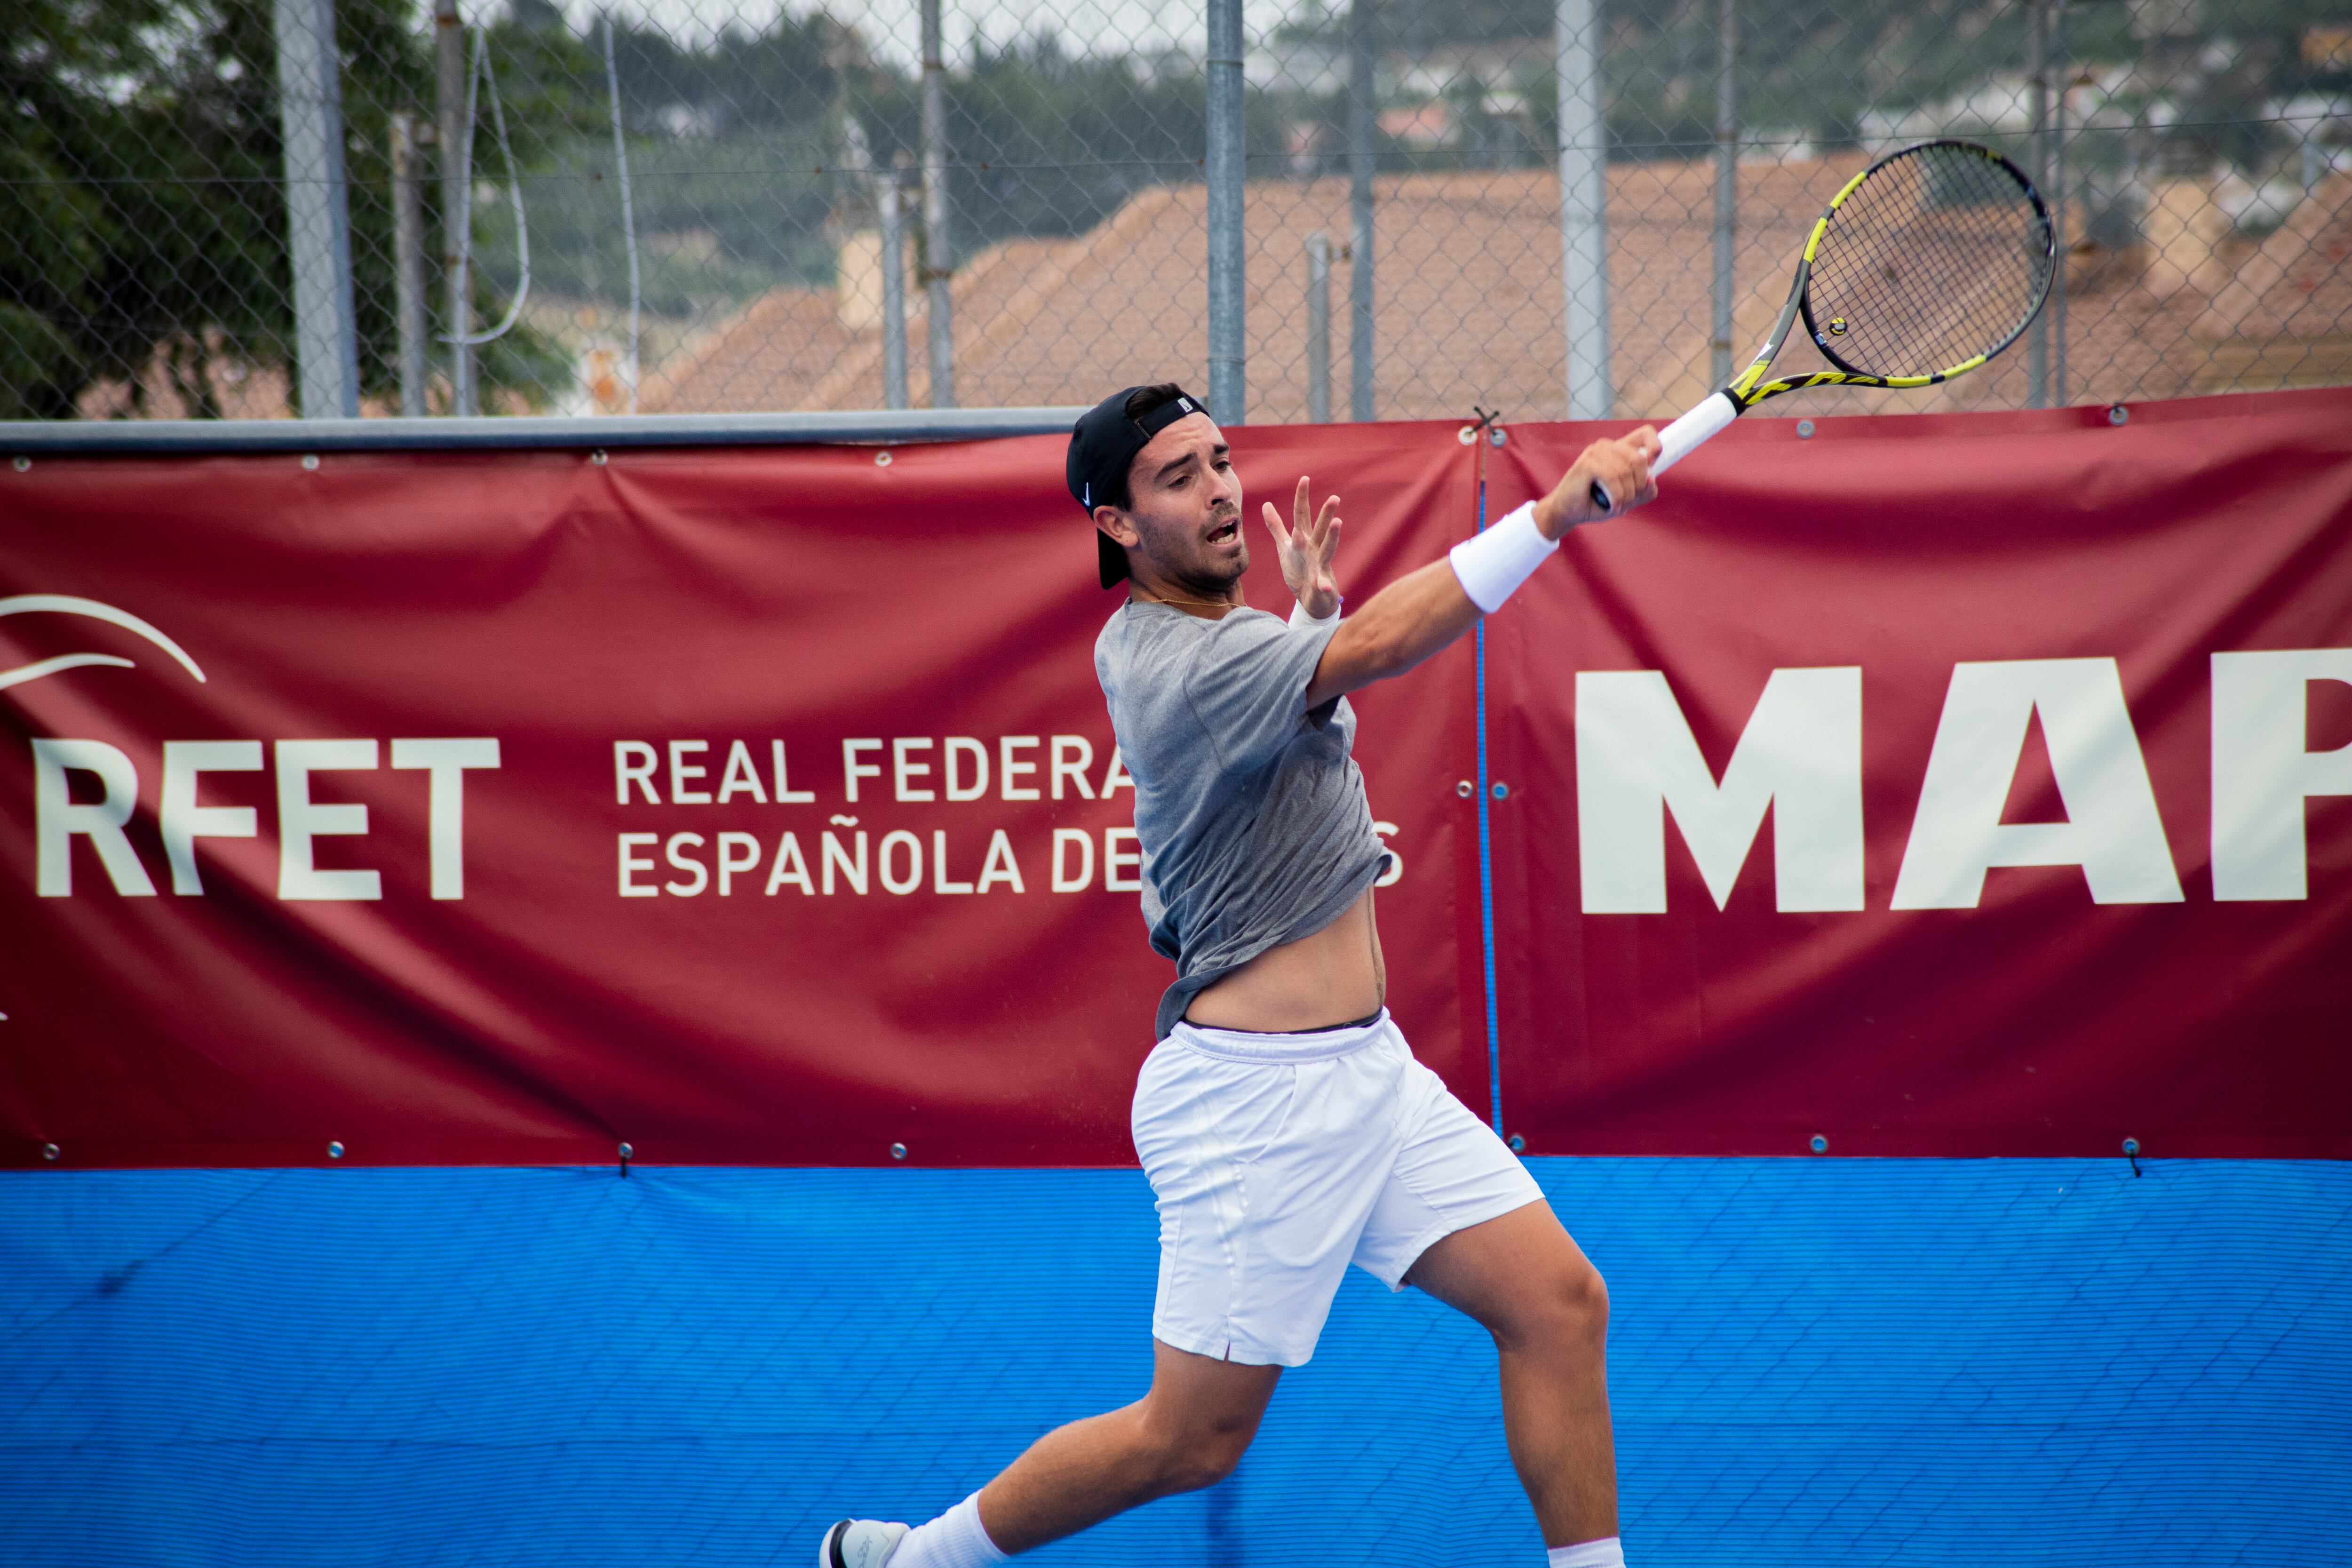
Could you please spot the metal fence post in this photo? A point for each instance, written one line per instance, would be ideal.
(1359, 209)
(937, 265)
(1319, 329)
(1726, 186)
(318, 214)
(894, 291)
(2056, 308)
(2037, 339)
(1583, 209)
(449, 111)
(408, 261)
(628, 214)
(1228, 371)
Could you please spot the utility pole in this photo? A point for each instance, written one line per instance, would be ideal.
(1726, 186)
(2037, 338)
(2055, 193)
(893, 288)
(1318, 329)
(1360, 88)
(1583, 207)
(408, 259)
(1228, 261)
(936, 267)
(318, 211)
(457, 316)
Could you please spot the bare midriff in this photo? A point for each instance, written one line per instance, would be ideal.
(1335, 977)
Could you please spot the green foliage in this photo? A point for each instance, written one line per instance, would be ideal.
(729, 146)
(1808, 67)
(137, 121)
(47, 276)
(737, 152)
(144, 159)
(2281, 21)
(2099, 33)
(788, 75)
(1048, 144)
(717, 220)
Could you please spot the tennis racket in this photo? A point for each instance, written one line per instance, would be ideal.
(1939, 255)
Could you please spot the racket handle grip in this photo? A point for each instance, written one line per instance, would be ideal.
(1688, 433)
(1681, 438)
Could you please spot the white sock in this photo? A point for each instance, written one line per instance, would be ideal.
(1602, 1553)
(954, 1540)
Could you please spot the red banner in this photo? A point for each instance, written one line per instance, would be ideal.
(1952, 785)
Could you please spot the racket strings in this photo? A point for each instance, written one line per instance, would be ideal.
(1939, 256)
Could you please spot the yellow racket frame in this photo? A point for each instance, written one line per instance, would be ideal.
(1749, 388)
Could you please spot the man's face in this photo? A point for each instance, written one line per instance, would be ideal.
(1184, 516)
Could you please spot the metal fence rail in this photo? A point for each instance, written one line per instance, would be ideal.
(707, 206)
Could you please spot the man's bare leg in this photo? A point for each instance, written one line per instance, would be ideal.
(1187, 1433)
(1529, 1286)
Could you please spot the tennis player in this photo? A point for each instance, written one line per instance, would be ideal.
(1286, 1129)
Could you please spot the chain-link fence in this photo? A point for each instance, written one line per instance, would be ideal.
(701, 206)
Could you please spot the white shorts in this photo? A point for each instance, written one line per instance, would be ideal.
(1278, 1160)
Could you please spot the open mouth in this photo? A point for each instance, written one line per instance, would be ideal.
(1224, 530)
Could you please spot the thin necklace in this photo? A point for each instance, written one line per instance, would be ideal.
(1205, 603)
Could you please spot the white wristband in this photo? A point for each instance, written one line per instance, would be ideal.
(1300, 617)
(1492, 565)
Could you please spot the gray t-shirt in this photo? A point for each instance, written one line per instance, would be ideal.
(1249, 812)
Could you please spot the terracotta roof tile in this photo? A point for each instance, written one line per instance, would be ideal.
(784, 340)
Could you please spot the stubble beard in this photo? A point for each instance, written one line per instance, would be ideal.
(1206, 577)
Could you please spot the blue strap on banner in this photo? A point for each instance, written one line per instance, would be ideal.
(1487, 868)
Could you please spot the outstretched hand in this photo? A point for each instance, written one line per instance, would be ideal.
(1305, 550)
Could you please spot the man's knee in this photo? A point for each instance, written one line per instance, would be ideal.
(1198, 1418)
(1585, 1299)
(1189, 1460)
(1566, 1304)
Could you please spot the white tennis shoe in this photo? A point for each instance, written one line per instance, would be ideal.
(859, 1543)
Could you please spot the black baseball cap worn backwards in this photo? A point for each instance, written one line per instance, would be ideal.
(1102, 445)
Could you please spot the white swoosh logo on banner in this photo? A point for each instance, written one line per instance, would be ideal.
(67, 605)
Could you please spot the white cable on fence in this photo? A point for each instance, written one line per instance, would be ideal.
(482, 72)
(628, 214)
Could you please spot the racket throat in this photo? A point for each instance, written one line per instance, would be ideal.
(1742, 390)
